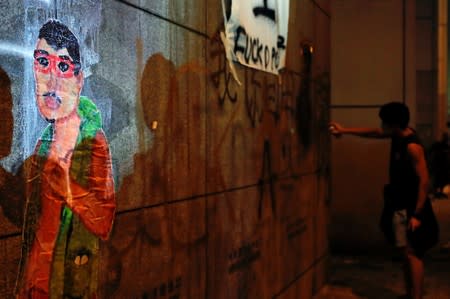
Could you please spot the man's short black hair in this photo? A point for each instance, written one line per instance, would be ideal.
(59, 36)
(395, 114)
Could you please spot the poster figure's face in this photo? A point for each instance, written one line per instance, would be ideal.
(57, 84)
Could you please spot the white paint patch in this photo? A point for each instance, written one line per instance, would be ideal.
(16, 50)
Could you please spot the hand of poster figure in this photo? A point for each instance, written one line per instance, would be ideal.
(60, 155)
(64, 143)
(55, 180)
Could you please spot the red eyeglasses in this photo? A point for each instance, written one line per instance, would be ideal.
(62, 65)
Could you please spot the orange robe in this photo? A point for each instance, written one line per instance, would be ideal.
(61, 232)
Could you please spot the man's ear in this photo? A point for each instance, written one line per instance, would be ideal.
(80, 79)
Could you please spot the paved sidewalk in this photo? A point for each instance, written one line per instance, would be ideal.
(377, 277)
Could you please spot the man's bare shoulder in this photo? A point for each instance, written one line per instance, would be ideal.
(415, 150)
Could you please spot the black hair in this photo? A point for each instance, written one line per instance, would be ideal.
(395, 114)
(59, 36)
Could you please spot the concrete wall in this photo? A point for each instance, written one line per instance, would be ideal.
(426, 71)
(228, 196)
(373, 62)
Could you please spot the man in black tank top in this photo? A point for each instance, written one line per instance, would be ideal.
(414, 227)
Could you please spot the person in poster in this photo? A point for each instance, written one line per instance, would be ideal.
(70, 201)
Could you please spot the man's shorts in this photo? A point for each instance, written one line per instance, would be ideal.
(400, 227)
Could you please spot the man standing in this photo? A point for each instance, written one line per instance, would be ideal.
(70, 191)
(413, 224)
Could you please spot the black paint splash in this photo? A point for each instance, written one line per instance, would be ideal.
(304, 106)
(267, 176)
(264, 11)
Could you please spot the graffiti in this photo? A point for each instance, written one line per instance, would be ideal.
(291, 108)
(153, 246)
(257, 34)
(287, 96)
(265, 95)
(267, 176)
(287, 108)
(296, 228)
(304, 106)
(169, 290)
(287, 156)
(252, 104)
(71, 203)
(264, 11)
(261, 97)
(221, 79)
(244, 256)
(221, 74)
(271, 99)
(254, 51)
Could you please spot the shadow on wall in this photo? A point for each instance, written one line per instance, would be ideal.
(12, 198)
(154, 233)
(6, 117)
(170, 103)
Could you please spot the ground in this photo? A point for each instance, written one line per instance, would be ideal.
(380, 277)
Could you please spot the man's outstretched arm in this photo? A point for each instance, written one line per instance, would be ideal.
(338, 130)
